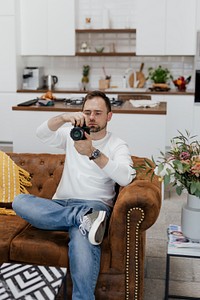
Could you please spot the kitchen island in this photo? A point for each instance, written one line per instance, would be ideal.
(143, 129)
(125, 108)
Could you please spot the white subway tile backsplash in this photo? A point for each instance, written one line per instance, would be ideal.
(122, 15)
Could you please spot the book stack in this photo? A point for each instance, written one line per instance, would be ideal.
(180, 245)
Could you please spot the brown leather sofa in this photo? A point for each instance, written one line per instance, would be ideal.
(123, 249)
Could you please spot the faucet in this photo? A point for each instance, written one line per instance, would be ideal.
(127, 71)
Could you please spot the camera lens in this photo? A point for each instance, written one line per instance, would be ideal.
(77, 134)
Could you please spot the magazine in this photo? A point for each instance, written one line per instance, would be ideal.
(177, 239)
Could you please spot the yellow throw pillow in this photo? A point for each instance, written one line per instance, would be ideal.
(13, 181)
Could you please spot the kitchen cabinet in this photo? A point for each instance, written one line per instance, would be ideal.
(7, 54)
(47, 27)
(145, 134)
(196, 127)
(8, 47)
(7, 67)
(6, 117)
(150, 37)
(180, 27)
(180, 110)
(167, 27)
(179, 115)
(197, 15)
(116, 42)
(7, 7)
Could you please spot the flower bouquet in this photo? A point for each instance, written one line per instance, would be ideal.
(181, 83)
(180, 166)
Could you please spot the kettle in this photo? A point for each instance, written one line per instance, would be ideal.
(50, 81)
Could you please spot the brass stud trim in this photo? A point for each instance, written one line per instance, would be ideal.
(128, 217)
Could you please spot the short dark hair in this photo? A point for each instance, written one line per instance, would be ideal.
(100, 94)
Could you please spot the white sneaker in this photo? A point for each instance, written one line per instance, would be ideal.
(95, 225)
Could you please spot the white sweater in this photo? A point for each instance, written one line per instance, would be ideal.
(82, 178)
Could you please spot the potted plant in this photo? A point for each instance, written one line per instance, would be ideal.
(160, 77)
(85, 77)
(180, 167)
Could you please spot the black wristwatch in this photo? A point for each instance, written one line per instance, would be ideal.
(96, 153)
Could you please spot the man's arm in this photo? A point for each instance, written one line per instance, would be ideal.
(56, 122)
(48, 131)
(118, 169)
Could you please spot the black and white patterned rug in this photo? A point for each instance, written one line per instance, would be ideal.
(30, 282)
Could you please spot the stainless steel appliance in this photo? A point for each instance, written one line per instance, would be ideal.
(78, 100)
(33, 78)
(50, 81)
(197, 86)
(197, 68)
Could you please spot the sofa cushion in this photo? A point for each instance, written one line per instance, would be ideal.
(40, 247)
(10, 226)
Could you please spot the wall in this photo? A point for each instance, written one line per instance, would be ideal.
(122, 15)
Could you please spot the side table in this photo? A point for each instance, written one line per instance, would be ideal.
(31, 282)
(178, 252)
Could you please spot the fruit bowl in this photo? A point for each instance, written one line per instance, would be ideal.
(181, 83)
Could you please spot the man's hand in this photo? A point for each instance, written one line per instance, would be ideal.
(77, 118)
(84, 147)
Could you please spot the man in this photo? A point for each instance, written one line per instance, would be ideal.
(84, 197)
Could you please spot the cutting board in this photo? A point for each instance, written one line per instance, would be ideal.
(137, 76)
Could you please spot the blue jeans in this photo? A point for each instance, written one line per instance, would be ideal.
(84, 258)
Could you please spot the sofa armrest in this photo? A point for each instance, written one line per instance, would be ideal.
(136, 209)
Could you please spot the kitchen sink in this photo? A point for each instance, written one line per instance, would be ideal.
(131, 90)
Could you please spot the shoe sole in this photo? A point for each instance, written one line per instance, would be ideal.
(98, 225)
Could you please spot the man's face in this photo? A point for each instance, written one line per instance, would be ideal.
(96, 113)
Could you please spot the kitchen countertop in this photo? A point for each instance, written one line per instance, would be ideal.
(126, 108)
(77, 91)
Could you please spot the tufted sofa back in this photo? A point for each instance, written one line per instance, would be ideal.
(44, 169)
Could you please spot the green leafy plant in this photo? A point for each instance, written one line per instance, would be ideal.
(86, 70)
(159, 75)
(180, 166)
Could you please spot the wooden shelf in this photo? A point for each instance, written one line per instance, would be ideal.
(105, 54)
(106, 30)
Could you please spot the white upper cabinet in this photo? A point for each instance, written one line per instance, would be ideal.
(180, 27)
(61, 27)
(197, 16)
(166, 27)
(47, 27)
(33, 19)
(7, 54)
(7, 7)
(150, 37)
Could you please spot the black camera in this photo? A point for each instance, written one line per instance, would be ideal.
(78, 133)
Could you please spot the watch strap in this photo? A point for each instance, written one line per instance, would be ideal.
(95, 153)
